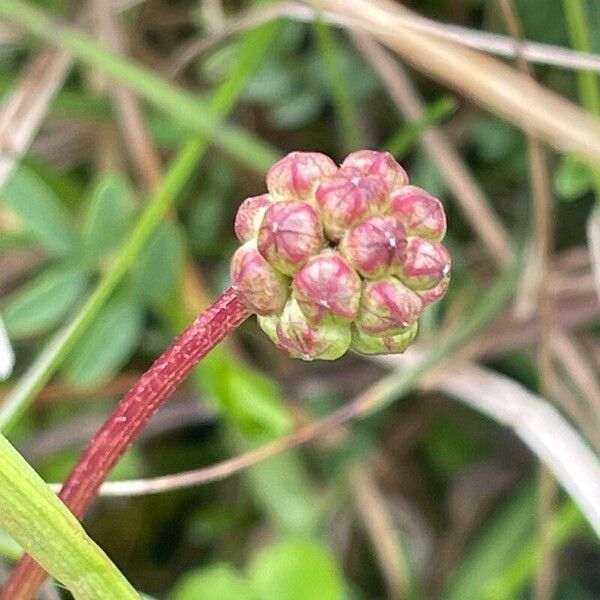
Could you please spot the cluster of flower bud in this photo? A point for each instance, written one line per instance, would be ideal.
(340, 257)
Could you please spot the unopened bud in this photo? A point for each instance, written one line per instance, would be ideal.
(381, 164)
(437, 293)
(386, 344)
(376, 247)
(327, 286)
(261, 288)
(387, 307)
(426, 264)
(289, 235)
(349, 197)
(422, 214)
(297, 175)
(299, 337)
(250, 215)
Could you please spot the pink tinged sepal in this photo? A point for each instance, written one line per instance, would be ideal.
(381, 164)
(300, 337)
(427, 264)
(327, 286)
(388, 307)
(268, 324)
(250, 215)
(290, 233)
(376, 247)
(297, 175)
(422, 214)
(437, 293)
(386, 344)
(262, 289)
(349, 197)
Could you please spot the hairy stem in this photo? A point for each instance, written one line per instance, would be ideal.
(126, 421)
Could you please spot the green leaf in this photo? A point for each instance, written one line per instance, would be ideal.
(44, 302)
(296, 110)
(106, 218)
(197, 113)
(296, 570)
(8, 547)
(572, 179)
(39, 209)
(250, 399)
(183, 166)
(494, 548)
(37, 520)
(219, 581)
(159, 267)
(108, 345)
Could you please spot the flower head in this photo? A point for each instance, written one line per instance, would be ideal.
(339, 258)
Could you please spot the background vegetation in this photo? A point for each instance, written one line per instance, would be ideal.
(126, 147)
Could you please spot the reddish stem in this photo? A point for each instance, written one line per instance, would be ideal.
(126, 421)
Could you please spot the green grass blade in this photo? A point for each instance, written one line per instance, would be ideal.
(8, 547)
(494, 547)
(401, 142)
(349, 118)
(180, 171)
(198, 114)
(43, 526)
(566, 522)
(587, 81)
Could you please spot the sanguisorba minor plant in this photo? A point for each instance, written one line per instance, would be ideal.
(333, 258)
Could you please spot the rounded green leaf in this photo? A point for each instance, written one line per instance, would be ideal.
(106, 218)
(296, 570)
(160, 265)
(216, 581)
(44, 302)
(108, 345)
(39, 210)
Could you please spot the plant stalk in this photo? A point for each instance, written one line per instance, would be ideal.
(129, 417)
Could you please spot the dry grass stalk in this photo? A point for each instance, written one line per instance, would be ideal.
(476, 207)
(26, 106)
(486, 81)
(540, 426)
(491, 43)
(382, 533)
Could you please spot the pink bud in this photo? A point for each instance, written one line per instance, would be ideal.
(327, 286)
(376, 247)
(382, 164)
(297, 175)
(422, 214)
(249, 216)
(289, 235)
(302, 338)
(389, 344)
(426, 264)
(436, 293)
(387, 307)
(349, 197)
(260, 287)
